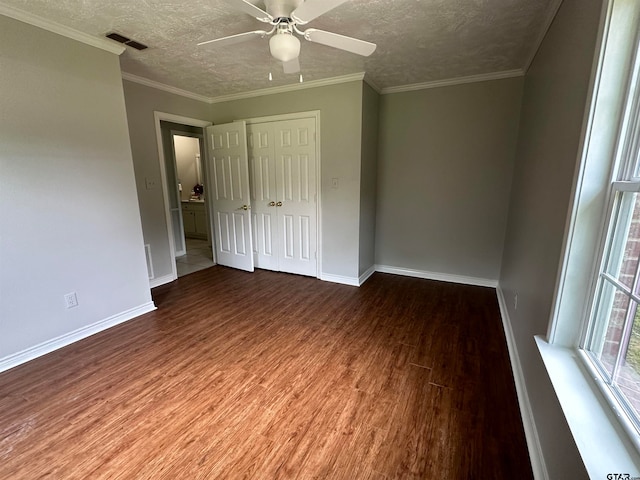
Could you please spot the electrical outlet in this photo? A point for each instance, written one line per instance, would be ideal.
(515, 302)
(334, 183)
(71, 300)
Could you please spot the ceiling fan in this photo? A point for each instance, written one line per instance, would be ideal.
(285, 16)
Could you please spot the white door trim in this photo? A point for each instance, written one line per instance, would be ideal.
(175, 168)
(315, 114)
(193, 122)
(284, 116)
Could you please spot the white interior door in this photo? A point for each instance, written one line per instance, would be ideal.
(282, 158)
(262, 174)
(295, 152)
(230, 201)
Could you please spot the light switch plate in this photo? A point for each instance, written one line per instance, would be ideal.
(151, 183)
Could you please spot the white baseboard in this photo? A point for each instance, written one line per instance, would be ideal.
(352, 281)
(531, 433)
(62, 341)
(443, 277)
(365, 276)
(408, 272)
(156, 282)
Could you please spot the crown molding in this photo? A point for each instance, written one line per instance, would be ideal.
(166, 88)
(372, 84)
(60, 29)
(322, 83)
(239, 96)
(552, 11)
(454, 81)
(289, 88)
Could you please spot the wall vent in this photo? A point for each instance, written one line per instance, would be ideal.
(125, 40)
(136, 45)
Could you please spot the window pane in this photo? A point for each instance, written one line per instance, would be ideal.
(624, 251)
(608, 323)
(628, 374)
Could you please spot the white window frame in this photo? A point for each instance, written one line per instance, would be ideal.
(606, 440)
(626, 179)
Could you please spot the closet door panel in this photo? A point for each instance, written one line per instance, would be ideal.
(295, 153)
(262, 172)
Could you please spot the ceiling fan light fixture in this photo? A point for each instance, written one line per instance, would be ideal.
(284, 47)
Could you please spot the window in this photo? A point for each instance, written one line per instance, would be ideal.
(612, 339)
(596, 301)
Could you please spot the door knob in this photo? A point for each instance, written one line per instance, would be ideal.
(279, 204)
(245, 207)
(272, 204)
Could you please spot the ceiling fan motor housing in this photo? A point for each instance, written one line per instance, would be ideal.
(281, 8)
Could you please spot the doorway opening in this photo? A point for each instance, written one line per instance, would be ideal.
(198, 257)
(182, 151)
(192, 227)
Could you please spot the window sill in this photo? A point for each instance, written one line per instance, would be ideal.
(602, 442)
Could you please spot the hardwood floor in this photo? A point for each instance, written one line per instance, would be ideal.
(269, 375)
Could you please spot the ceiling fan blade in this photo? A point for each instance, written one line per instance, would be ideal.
(292, 66)
(251, 9)
(240, 37)
(311, 9)
(335, 40)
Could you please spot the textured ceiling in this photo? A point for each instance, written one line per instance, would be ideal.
(418, 40)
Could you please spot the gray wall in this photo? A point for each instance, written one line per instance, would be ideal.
(341, 119)
(368, 177)
(444, 176)
(69, 219)
(141, 102)
(554, 101)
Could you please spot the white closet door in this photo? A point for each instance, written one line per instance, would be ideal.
(282, 164)
(262, 173)
(230, 202)
(295, 153)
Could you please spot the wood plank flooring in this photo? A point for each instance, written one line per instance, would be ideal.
(268, 376)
